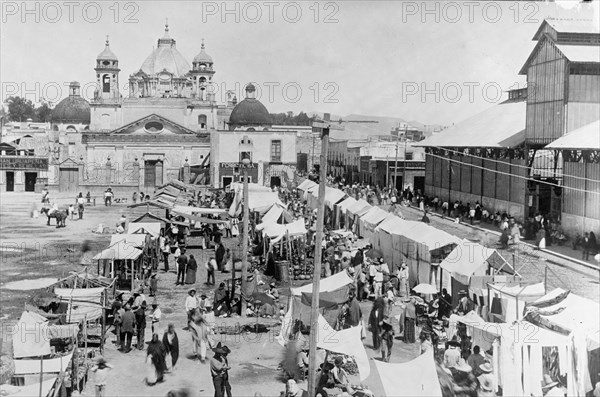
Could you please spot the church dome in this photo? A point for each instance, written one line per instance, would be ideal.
(73, 109)
(203, 57)
(250, 111)
(167, 58)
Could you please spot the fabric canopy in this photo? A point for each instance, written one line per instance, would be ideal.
(347, 342)
(374, 216)
(278, 231)
(85, 304)
(258, 200)
(305, 184)
(471, 259)
(53, 365)
(135, 240)
(333, 196)
(152, 229)
(328, 284)
(359, 208)
(411, 379)
(346, 203)
(276, 212)
(327, 299)
(119, 251)
(573, 313)
(29, 390)
(184, 209)
(30, 339)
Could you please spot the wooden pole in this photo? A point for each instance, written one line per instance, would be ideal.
(41, 374)
(103, 331)
(85, 335)
(245, 239)
(314, 317)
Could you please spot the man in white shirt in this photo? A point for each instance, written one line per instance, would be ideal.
(191, 304)
(101, 370)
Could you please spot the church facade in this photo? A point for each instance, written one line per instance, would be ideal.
(163, 126)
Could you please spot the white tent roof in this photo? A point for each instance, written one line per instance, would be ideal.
(277, 231)
(32, 340)
(258, 200)
(374, 216)
(414, 378)
(86, 303)
(328, 284)
(135, 240)
(252, 187)
(332, 196)
(305, 184)
(577, 313)
(468, 259)
(274, 213)
(537, 289)
(586, 137)
(29, 390)
(345, 204)
(119, 251)
(152, 229)
(419, 232)
(186, 209)
(359, 208)
(53, 365)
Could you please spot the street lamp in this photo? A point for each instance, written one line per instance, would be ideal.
(245, 165)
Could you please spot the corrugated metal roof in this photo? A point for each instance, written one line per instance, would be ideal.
(586, 137)
(500, 126)
(580, 53)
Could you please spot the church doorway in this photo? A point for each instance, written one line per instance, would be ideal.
(153, 173)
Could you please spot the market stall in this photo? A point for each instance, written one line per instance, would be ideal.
(339, 214)
(120, 261)
(414, 378)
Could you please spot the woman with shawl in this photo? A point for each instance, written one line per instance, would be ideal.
(171, 344)
(155, 360)
(376, 320)
(200, 336)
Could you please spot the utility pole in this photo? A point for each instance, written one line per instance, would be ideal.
(387, 171)
(324, 128)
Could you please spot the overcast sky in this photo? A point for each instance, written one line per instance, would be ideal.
(372, 58)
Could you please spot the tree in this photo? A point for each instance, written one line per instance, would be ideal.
(43, 113)
(19, 109)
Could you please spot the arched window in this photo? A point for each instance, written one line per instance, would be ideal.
(106, 83)
(202, 121)
(71, 128)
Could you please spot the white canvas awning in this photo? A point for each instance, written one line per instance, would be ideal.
(305, 184)
(185, 209)
(374, 216)
(152, 229)
(85, 304)
(414, 378)
(135, 240)
(53, 365)
(29, 390)
(328, 284)
(346, 203)
(119, 251)
(472, 259)
(359, 208)
(32, 330)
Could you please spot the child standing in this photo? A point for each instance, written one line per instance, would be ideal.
(387, 339)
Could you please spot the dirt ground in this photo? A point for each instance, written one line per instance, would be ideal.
(32, 250)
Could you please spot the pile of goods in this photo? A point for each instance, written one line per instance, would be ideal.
(300, 269)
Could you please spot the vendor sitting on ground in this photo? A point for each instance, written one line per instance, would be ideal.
(272, 291)
(340, 377)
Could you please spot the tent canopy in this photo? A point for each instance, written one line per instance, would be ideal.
(135, 240)
(85, 303)
(153, 229)
(306, 184)
(277, 231)
(359, 208)
(471, 259)
(346, 203)
(119, 251)
(53, 365)
(374, 216)
(32, 341)
(413, 378)
(328, 284)
(276, 212)
(258, 200)
(186, 209)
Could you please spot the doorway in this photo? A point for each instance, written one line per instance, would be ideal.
(275, 181)
(30, 178)
(150, 174)
(419, 184)
(68, 179)
(227, 181)
(10, 181)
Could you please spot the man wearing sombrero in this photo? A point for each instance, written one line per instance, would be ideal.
(219, 367)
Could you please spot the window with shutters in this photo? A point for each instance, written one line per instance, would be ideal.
(276, 151)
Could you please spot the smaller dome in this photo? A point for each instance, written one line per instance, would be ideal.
(250, 111)
(107, 54)
(203, 57)
(73, 109)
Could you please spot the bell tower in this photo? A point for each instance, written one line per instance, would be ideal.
(202, 73)
(107, 76)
